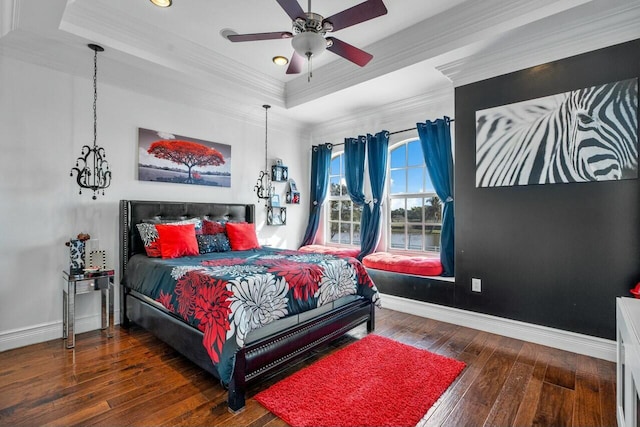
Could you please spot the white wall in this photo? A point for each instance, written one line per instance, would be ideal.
(45, 118)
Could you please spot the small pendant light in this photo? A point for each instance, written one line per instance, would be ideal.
(92, 168)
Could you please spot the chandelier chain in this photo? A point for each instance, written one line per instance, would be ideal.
(263, 184)
(95, 97)
(266, 127)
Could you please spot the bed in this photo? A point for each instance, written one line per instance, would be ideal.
(231, 340)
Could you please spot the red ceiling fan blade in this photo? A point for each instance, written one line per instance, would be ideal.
(347, 51)
(359, 13)
(295, 64)
(259, 36)
(293, 9)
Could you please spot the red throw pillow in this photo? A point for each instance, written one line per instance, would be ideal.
(242, 236)
(212, 227)
(149, 234)
(177, 240)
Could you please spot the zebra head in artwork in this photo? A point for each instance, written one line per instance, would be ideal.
(588, 134)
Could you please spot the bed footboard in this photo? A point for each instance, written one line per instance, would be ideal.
(260, 357)
(272, 353)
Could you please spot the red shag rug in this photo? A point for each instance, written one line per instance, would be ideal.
(373, 382)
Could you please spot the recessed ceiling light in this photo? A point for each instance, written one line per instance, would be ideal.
(280, 60)
(162, 3)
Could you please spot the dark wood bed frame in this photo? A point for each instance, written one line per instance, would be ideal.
(255, 359)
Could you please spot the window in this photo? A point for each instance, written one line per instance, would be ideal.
(343, 216)
(415, 211)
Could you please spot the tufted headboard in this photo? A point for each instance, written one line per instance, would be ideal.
(133, 212)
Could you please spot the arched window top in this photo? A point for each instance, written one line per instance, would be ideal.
(407, 170)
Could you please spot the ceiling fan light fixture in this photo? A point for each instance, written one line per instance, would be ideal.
(309, 44)
(280, 60)
(162, 3)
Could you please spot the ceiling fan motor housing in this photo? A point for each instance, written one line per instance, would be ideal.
(309, 35)
(312, 22)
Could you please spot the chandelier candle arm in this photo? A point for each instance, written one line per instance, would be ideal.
(92, 168)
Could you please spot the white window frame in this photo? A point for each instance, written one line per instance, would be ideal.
(404, 196)
(342, 198)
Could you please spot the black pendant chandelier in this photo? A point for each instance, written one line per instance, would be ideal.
(92, 168)
(263, 185)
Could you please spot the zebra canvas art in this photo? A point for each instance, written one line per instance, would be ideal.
(584, 135)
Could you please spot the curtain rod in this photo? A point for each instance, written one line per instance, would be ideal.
(393, 133)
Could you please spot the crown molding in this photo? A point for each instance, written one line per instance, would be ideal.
(9, 13)
(120, 71)
(120, 31)
(455, 30)
(403, 113)
(539, 44)
(37, 40)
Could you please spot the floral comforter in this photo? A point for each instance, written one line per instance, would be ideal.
(227, 295)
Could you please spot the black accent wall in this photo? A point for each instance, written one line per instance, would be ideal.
(555, 255)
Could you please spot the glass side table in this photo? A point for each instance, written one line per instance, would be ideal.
(80, 284)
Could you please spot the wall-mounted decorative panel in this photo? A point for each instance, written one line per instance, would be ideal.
(279, 173)
(589, 134)
(164, 157)
(276, 215)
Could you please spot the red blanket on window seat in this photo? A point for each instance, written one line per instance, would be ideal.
(418, 265)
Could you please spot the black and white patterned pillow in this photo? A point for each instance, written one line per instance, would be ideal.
(213, 243)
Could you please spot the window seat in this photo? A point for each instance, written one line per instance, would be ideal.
(411, 277)
(406, 264)
(332, 250)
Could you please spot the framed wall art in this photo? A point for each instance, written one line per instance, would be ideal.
(164, 157)
(589, 134)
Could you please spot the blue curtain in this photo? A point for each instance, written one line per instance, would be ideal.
(320, 161)
(435, 138)
(377, 153)
(354, 153)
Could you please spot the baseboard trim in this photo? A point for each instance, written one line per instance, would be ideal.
(35, 334)
(557, 338)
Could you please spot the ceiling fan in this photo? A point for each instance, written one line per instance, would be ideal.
(309, 32)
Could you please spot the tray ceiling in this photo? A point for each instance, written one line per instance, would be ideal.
(419, 47)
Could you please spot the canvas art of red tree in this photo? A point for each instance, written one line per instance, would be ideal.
(186, 153)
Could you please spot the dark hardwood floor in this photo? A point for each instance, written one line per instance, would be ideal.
(135, 379)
